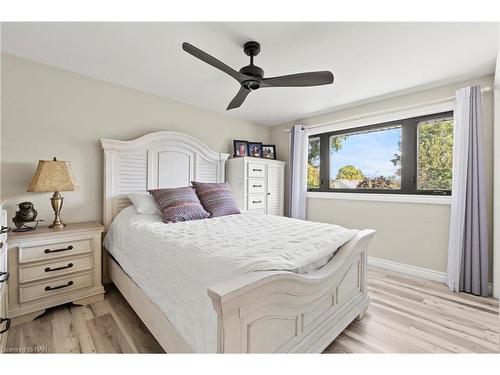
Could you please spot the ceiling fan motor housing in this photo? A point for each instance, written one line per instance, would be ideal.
(253, 71)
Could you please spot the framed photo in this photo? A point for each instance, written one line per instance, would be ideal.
(255, 149)
(269, 151)
(240, 148)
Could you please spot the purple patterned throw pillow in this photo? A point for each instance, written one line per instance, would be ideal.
(179, 204)
(216, 198)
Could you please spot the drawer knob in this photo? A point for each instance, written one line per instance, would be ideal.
(4, 277)
(59, 286)
(48, 269)
(48, 251)
(257, 185)
(257, 170)
(256, 201)
(7, 325)
(1, 244)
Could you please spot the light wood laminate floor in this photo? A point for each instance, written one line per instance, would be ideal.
(406, 315)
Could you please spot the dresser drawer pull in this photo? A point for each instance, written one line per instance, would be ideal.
(256, 185)
(257, 170)
(1, 244)
(4, 277)
(59, 287)
(48, 269)
(5, 229)
(48, 251)
(7, 324)
(256, 201)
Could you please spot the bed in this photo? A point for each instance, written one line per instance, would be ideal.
(249, 283)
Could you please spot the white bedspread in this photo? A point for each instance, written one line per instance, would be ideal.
(175, 264)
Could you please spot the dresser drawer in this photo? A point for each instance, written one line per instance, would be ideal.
(256, 186)
(54, 268)
(256, 170)
(54, 287)
(52, 250)
(256, 202)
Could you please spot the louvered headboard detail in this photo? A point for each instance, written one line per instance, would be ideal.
(155, 160)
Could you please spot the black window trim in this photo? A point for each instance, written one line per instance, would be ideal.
(408, 160)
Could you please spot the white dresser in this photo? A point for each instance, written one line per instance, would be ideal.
(258, 184)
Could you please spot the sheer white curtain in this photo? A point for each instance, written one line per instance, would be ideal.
(468, 239)
(298, 172)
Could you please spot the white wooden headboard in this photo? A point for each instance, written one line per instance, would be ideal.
(156, 160)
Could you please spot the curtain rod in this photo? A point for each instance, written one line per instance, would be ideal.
(370, 114)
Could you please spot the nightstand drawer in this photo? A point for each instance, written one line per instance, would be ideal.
(52, 250)
(54, 287)
(54, 268)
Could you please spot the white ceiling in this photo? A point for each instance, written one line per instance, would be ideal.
(367, 59)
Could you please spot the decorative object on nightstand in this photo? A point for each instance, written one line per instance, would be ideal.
(54, 175)
(52, 267)
(26, 214)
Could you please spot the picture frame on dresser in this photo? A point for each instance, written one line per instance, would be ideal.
(240, 148)
(255, 149)
(269, 152)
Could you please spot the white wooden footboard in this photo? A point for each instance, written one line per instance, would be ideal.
(280, 311)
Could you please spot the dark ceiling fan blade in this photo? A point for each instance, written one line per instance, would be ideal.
(239, 98)
(299, 80)
(205, 57)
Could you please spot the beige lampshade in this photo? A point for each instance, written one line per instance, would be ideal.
(53, 175)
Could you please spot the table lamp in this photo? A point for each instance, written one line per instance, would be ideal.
(54, 175)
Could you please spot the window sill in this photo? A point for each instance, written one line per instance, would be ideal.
(395, 198)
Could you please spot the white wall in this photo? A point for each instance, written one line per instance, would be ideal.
(50, 112)
(409, 233)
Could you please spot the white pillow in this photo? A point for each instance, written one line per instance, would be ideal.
(144, 203)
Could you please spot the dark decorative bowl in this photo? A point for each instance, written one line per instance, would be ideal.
(26, 214)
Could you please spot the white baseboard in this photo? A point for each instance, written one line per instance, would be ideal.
(424, 273)
(408, 269)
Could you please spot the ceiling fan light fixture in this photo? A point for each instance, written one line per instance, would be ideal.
(251, 85)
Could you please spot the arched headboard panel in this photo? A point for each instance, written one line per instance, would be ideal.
(155, 160)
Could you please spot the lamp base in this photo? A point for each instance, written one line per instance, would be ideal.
(57, 202)
(57, 226)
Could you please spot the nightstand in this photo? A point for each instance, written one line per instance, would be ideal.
(51, 267)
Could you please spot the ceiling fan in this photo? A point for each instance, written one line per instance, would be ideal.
(251, 77)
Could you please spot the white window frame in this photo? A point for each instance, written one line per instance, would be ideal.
(364, 120)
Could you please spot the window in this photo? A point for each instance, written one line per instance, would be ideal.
(411, 156)
(435, 154)
(313, 163)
